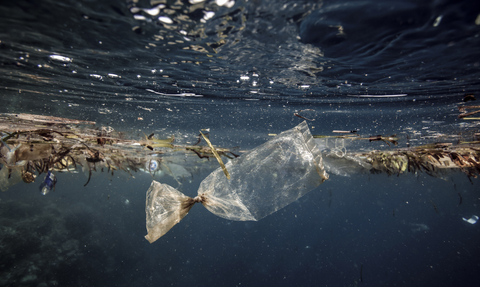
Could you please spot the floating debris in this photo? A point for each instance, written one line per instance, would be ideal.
(469, 97)
(297, 114)
(344, 132)
(463, 110)
(430, 160)
(48, 184)
(33, 144)
(217, 156)
(471, 220)
(263, 181)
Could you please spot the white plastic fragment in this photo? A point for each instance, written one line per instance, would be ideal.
(471, 220)
(113, 76)
(60, 58)
(165, 20)
(95, 76)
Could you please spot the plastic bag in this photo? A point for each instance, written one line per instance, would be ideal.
(263, 181)
(165, 207)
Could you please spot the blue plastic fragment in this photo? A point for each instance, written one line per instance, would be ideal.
(48, 184)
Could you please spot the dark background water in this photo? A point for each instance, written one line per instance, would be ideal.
(243, 73)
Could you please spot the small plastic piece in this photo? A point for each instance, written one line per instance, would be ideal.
(151, 165)
(48, 184)
(261, 182)
(471, 220)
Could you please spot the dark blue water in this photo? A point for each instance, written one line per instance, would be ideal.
(242, 69)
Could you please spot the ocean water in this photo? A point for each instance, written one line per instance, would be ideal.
(243, 69)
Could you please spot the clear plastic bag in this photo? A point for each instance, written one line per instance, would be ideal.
(262, 181)
(165, 207)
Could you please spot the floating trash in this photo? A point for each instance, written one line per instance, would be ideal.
(471, 220)
(48, 184)
(61, 58)
(261, 181)
(151, 166)
(248, 188)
